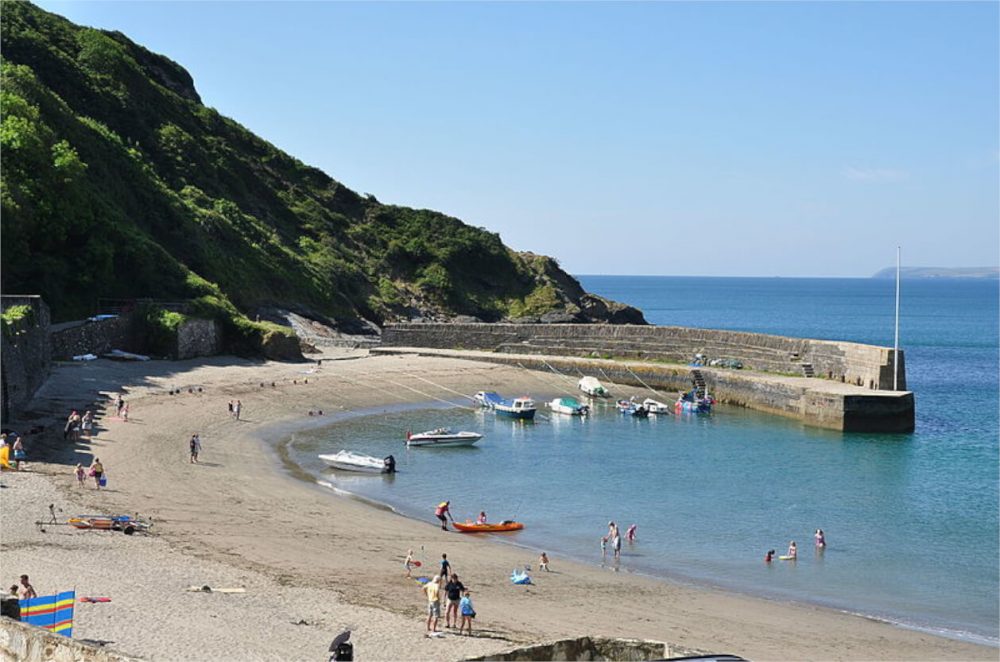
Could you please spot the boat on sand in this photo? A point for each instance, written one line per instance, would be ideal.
(442, 438)
(351, 461)
(593, 388)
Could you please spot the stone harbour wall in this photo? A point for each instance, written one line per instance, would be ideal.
(25, 356)
(198, 337)
(27, 643)
(98, 337)
(853, 363)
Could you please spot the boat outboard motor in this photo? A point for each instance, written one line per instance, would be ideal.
(340, 649)
(390, 465)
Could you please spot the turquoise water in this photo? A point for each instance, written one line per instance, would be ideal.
(911, 520)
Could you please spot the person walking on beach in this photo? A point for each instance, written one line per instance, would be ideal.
(230, 409)
(408, 563)
(19, 455)
(237, 408)
(543, 562)
(433, 591)
(87, 424)
(445, 567)
(453, 589)
(442, 513)
(81, 474)
(125, 412)
(26, 591)
(97, 471)
(195, 445)
(468, 612)
(119, 403)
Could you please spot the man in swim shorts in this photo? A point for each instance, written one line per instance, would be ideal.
(433, 591)
(442, 513)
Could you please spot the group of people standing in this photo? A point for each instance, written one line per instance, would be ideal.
(793, 550)
(75, 424)
(235, 409)
(459, 610)
(614, 537)
(96, 471)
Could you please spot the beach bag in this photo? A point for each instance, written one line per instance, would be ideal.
(91, 472)
(103, 481)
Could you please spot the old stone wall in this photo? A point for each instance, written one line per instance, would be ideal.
(854, 363)
(198, 337)
(27, 643)
(99, 337)
(25, 356)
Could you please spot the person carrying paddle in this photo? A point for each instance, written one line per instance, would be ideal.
(443, 514)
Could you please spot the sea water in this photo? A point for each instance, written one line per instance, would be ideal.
(911, 519)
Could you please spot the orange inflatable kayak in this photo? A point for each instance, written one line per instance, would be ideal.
(489, 528)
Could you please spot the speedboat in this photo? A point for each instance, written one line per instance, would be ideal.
(593, 388)
(442, 438)
(523, 407)
(657, 407)
(351, 461)
(569, 406)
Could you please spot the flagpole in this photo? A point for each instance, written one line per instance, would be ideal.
(895, 344)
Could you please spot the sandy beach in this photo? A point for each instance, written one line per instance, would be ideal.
(314, 563)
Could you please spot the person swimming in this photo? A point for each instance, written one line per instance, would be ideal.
(769, 556)
(820, 539)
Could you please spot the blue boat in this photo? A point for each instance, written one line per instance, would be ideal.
(523, 407)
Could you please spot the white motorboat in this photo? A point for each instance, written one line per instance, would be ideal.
(593, 388)
(657, 407)
(351, 461)
(442, 438)
(570, 406)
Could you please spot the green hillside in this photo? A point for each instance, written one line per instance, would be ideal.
(118, 182)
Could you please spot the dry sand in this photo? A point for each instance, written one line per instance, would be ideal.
(313, 563)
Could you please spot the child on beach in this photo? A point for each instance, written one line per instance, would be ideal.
(630, 534)
(445, 566)
(604, 547)
(125, 413)
(19, 455)
(468, 613)
(543, 562)
(81, 474)
(408, 563)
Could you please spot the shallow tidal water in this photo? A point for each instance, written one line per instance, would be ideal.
(911, 519)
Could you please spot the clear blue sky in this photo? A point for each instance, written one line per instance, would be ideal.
(755, 139)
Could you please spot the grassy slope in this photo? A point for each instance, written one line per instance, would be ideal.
(118, 182)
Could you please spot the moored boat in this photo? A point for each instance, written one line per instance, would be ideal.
(593, 388)
(442, 438)
(657, 407)
(632, 408)
(523, 407)
(351, 461)
(499, 527)
(692, 402)
(570, 406)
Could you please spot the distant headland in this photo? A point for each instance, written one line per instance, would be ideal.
(939, 272)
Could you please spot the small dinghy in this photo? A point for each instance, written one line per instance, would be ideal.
(442, 438)
(351, 461)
